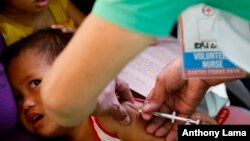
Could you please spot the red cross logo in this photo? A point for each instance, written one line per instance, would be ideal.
(207, 10)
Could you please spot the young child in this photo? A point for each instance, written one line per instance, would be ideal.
(19, 18)
(32, 57)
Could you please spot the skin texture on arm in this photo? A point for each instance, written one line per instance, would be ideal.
(75, 14)
(94, 56)
(134, 131)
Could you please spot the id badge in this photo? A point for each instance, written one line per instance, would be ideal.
(201, 56)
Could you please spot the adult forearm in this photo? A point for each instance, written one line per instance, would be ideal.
(94, 56)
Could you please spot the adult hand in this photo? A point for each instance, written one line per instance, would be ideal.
(62, 28)
(109, 101)
(173, 93)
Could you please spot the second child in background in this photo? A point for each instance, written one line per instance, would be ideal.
(19, 18)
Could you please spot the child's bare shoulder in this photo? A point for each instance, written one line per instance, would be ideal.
(133, 132)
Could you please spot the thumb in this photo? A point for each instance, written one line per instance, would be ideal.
(121, 115)
(153, 101)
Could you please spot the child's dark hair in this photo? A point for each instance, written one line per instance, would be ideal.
(49, 42)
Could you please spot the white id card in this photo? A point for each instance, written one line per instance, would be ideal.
(202, 57)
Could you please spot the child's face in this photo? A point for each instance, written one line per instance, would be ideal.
(26, 73)
(28, 5)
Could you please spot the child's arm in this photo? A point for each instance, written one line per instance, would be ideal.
(133, 132)
(75, 13)
(136, 130)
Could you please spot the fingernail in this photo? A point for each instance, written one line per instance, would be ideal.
(65, 30)
(161, 132)
(151, 128)
(146, 106)
(53, 26)
(126, 121)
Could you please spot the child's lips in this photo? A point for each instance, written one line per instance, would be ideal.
(42, 3)
(35, 119)
(38, 123)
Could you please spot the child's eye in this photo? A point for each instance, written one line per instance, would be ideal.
(34, 83)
